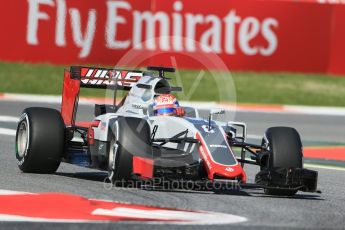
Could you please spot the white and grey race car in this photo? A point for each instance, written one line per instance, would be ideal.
(126, 139)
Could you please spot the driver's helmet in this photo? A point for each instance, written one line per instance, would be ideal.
(165, 105)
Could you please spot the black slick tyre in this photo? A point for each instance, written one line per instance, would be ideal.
(40, 140)
(129, 136)
(285, 151)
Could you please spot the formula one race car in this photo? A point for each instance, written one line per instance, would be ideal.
(147, 135)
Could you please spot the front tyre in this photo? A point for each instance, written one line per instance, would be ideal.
(39, 140)
(129, 136)
(285, 152)
(119, 164)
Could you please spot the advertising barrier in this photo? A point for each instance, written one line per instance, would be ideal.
(254, 35)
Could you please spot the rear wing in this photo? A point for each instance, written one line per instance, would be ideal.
(92, 77)
(102, 78)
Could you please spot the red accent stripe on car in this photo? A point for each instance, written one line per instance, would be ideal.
(143, 167)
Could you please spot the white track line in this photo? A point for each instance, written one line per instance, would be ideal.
(8, 132)
(309, 165)
(4, 217)
(183, 217)
(329, 167)
(10, 192)
(315, 110)
(32, 98)
(253, 136)
(8, 119)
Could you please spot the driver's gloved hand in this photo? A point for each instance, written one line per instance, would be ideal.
(180, 112)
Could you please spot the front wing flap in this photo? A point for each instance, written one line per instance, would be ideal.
(288, 178)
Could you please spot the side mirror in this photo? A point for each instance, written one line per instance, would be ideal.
(217, 111)
(213, 112)
(140, 105)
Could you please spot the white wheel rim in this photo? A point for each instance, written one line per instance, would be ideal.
(23, 138)
(112, 156)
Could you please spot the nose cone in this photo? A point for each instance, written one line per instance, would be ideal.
(229, 172)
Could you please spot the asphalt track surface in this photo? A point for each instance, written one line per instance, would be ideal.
(305, 210)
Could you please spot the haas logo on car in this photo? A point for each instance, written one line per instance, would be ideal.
(109, 77)
(229, 169)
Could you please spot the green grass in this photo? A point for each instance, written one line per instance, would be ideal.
(243, 87)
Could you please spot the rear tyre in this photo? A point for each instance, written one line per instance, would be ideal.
(129, 136)
(285, 151)
(40, 140)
